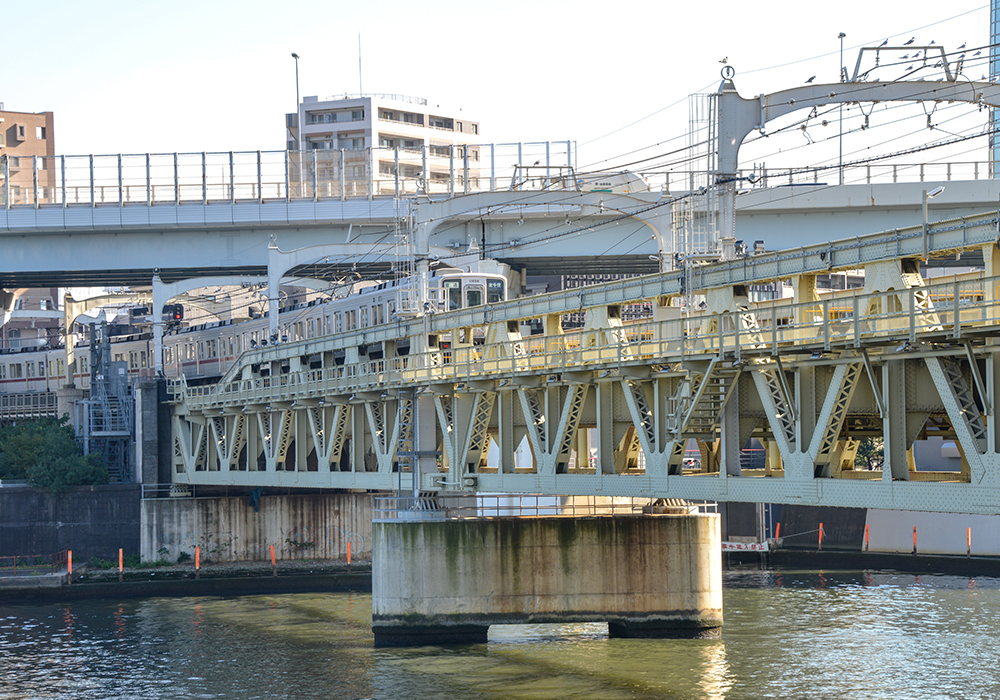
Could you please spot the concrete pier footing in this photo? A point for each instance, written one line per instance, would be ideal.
(447, 581)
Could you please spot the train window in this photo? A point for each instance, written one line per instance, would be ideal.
(340, 323)
(3, 371)
(60, 367)
(473, 297)
(494, 291)
(454, 288)
(15, 371)
(31, 369)
(364, 316)
(142, 358)
(41, 369)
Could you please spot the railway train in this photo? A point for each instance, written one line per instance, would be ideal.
(204, 352)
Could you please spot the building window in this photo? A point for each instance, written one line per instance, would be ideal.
(358, 115)
(475, 129)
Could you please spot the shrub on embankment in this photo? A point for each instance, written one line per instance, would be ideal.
(44, 453)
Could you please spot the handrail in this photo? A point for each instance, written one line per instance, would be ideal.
(944, 311)
(151, 179)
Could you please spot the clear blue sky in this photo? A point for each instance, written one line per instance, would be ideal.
(212, 75)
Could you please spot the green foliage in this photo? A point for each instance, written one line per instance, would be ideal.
(44, 453)
(871, 454)
(183, 557)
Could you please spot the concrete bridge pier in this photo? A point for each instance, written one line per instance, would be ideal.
(441, 581)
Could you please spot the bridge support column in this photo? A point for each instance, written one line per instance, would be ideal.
(438, 581)
(66, 398)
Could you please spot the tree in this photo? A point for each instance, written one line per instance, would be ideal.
(44, 453)
(871, 454)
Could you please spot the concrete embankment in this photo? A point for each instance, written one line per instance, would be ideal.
(835, 560)
(244, 578)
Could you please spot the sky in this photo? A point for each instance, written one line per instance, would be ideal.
(215, 75)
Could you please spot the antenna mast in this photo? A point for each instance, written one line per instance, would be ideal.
(360, 90)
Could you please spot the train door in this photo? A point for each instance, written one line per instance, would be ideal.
(453, 293)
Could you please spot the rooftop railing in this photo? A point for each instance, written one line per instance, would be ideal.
(260, 176)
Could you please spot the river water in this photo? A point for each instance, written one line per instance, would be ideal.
(787, 635)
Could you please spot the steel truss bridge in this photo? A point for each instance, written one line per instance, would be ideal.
(610, 409)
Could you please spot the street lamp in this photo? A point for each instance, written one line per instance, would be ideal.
(297, 126)
(841, 163)
(929, 195)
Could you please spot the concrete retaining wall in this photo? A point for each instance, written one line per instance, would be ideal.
(228, 528)
(447, 581)
(93, 521)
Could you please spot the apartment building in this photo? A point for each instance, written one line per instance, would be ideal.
(430, 144)
(23, 135)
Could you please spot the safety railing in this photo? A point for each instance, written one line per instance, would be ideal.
(260, 176)
(868, 173)
(459, 506)
(34, 564)
(36, 404)
(943, 311)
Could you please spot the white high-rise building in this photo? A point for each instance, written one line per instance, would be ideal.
(432, 148)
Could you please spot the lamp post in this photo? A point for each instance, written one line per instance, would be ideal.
(840, 167)
(929, 195)
(297, 125)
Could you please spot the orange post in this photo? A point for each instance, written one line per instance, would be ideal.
(121, 565)
(197, 561)
(968, 541)
(348, 557)
(274, 566)
(69, 565)
(777, 531)
(914, 539)
(821, 537)
(866, 537)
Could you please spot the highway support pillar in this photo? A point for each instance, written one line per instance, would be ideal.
(438, 581)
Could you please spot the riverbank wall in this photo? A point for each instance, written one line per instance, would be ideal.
(232, 528)
(93, 521)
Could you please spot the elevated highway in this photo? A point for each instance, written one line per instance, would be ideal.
(105, 230)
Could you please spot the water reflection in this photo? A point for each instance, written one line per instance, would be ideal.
(787, 634)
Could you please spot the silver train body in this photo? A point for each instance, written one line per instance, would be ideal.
(204, 352)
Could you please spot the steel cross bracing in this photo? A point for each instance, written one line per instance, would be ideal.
(612, 409)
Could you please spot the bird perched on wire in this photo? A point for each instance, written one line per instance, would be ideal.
(962, 46)
(883, 43)
(811, 79)
(725, 60)
(912, 39)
